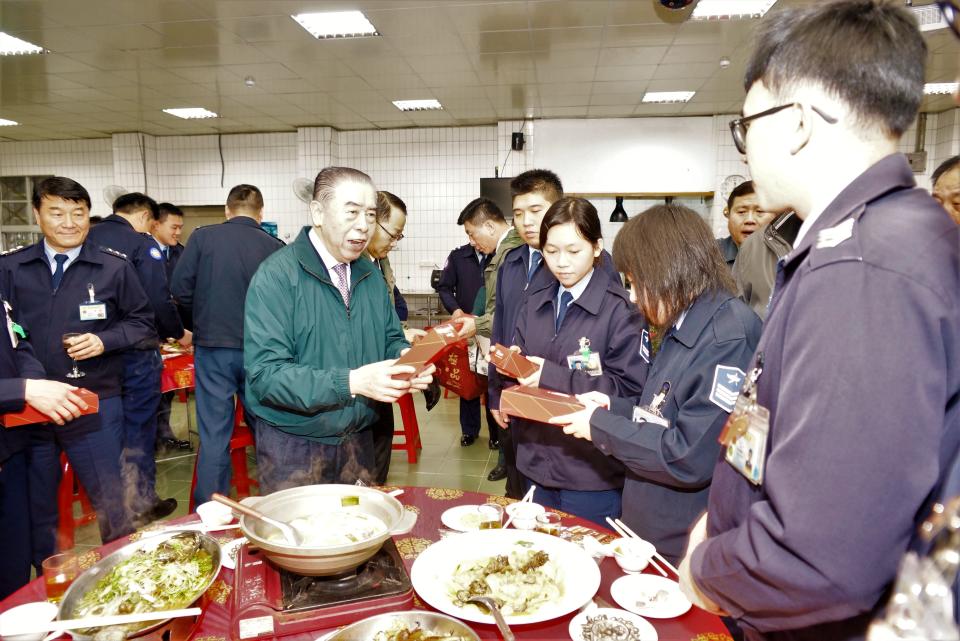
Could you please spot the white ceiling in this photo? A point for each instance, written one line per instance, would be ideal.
(115, 64)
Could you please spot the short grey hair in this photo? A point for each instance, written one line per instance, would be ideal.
(329, 178)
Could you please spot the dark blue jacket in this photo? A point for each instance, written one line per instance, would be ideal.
(461, 279)
(213, 275)
(604, 314)
(116, 233)
(729, 249)
(171, 262)
(512, 290)
(669, 469)
(862, 379)
(48, 314)
(17, 364)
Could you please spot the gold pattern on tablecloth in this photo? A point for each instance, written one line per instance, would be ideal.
(219, 592)
(500, 500)
(412, 508)
(411, 547)
(444, 494)
(712, 636)
(387, 488)
(210, 638)
(136, 536)
(87, 559)
(417, 603)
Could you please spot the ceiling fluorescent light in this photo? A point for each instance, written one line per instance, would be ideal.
(668, 96)
(417, 105)
(929, 17)
(8, 123)
(731, 9)
(336, 24)
(940, 88)
(190, 113)
(10, 46)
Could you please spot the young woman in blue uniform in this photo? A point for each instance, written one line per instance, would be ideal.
(578, 306)
(679, 281)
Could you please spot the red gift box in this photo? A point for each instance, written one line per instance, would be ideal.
(511, 362)
(454, 373)
(30, 416)
(537, 404)
(428, 349)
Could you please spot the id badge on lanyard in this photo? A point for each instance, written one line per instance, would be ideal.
(92, 309)
(651, 413)
(585, 360)
(746, 431)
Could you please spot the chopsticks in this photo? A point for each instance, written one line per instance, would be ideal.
(98, 621)
(527, 498)
(621, 528)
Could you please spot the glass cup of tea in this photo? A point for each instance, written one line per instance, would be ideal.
(67, 344)
(491, 516)
(59, 571)
(548, 523)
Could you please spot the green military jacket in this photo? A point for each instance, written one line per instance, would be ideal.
(489, 289)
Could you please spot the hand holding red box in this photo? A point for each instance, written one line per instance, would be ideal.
(512, 362)
(30, 416)
(428, 349)
(537, 404)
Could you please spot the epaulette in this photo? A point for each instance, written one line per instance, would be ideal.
(13, 251)
(113, 252)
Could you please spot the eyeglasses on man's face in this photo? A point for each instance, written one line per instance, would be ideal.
(951, 13)
(739, 126)
(394, 237)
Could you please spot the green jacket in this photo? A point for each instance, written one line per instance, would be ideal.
(489, 289)
(300, 342)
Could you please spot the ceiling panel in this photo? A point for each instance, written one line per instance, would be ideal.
(114, 64)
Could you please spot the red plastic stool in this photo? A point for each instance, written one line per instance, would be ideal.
(240, 478)
(69, 492)
(411, 429)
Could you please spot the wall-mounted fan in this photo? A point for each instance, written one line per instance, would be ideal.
(112, 192)
(303, 188)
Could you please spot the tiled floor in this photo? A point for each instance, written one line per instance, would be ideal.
(442, 461)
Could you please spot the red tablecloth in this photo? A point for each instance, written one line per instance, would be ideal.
(177, 373)
(429, 504)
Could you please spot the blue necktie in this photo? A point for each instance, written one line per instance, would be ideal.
(565, 299)
(166, 253)
(58, 274)
(535, 258)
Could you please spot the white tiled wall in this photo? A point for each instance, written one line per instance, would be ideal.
(436, 171)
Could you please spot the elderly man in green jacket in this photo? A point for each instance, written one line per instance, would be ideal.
(320, 340)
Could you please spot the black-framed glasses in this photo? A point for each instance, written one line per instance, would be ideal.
(394, 237)
(739, 126)
(951, 13)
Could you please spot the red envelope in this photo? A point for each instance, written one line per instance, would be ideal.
(30, 416)
(513, 363)
(537, 404)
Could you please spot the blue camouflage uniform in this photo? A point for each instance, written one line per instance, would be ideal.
(142, 362)
(861, 376)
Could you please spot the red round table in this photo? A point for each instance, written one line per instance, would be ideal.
(429, 504)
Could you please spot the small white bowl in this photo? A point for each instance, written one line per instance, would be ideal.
(213, 514)
(524, 514)
(633, 555)
(36, 612)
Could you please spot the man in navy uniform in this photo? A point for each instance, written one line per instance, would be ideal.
(166, 232)
(66, 284)
(22, 382)
(212, 278)
(460, 281)
(857, 364)
(127, 231)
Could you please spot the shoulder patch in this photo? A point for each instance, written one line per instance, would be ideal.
(155, 253)
(835, 235)
(726, 386)
(113, 252)
(13, 251)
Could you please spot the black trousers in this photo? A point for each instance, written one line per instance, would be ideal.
(382, 442)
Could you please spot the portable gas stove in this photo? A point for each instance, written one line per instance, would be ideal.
(272, 602)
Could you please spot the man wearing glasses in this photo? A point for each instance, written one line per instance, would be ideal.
(857, 369)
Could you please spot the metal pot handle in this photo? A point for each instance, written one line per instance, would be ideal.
(405, 524)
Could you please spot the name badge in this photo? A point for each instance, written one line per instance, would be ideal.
(585, 360)
(92, 309)
(745, 433)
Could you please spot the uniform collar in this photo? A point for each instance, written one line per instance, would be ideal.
(89, 252)
(577, 290)
(117, 218)
(590, 299)
(698, 316)
(243, 220)
(891, 173)
(71, 253)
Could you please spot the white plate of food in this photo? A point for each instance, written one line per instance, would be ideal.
(535, 577)
(462, 518)
(599, 624)
(649, 595)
